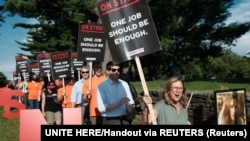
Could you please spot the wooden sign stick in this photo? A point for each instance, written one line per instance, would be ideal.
(64, 91)
(24, 82)
(90, 78)
(145, 89)
(189, 100)
(48, 75)
(79, 72)
(90, 74)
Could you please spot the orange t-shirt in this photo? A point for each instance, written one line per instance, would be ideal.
(93, 109)
(34, 89)
(66, 103)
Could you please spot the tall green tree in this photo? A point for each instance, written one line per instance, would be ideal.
(57, 23)
(191, 30)
(1, 13)
(3, 80)
(229, 66)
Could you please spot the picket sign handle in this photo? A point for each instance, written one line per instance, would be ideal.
(24, 76)
(189, 100)
(64, 91)
(79, 72)
(25, 82)
(90, 72)
(90, 77)
(145, 89)
(48, 75)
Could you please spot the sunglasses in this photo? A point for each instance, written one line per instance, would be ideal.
(85, 71)
(114, 70)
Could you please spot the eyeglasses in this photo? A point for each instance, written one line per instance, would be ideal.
(177, 88)
(114, 70)
(85, 71)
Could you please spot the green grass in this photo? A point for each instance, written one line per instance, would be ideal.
(9, 128)
(195, 85)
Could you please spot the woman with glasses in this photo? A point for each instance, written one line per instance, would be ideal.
(172, 108)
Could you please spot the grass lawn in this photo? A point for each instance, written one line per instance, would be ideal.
(196, 85)
(9, 128)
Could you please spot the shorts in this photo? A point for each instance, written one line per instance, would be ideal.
(52, 117)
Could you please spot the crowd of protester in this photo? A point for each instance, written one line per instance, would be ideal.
(103, 99)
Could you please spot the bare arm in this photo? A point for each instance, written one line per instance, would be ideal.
(43, 104)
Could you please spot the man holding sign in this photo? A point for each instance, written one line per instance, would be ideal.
(114, 98)
(90, 91)
(130, 32)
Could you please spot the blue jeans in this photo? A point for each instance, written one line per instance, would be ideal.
(34, 104)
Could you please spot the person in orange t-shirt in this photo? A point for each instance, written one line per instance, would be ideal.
(90, 93)
(34, 87)
(64, 93)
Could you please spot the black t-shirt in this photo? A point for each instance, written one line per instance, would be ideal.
(51, 102)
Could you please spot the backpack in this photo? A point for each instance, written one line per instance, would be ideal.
(134, 93)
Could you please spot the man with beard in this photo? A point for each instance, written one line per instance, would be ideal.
(114, 98)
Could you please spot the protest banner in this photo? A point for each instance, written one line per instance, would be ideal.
(76, 65)
(44, 61)
(22, 66)
(34, 67)
(91, 42)
(91, 45)
(129, 29)
(61, 64)
(130, 32)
